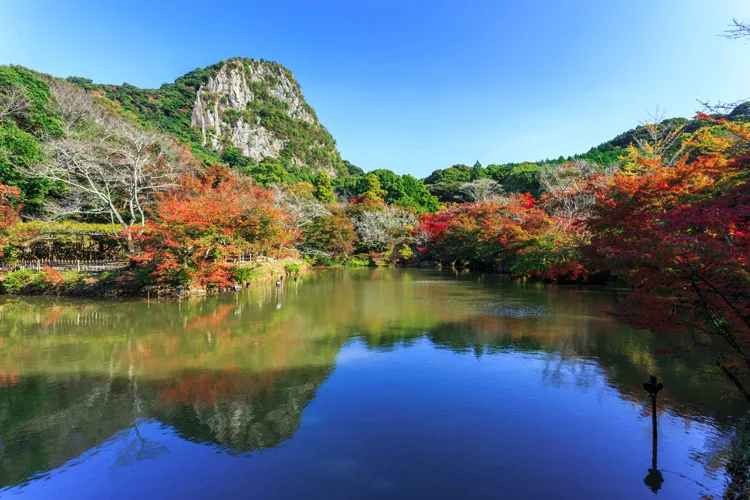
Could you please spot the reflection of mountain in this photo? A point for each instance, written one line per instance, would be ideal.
(237, 371)
(249, 417)
(45, 422)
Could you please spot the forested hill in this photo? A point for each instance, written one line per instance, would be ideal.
(240, 112)
(447, 183)
(252, 116)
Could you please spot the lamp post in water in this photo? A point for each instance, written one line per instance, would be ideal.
(654, 478)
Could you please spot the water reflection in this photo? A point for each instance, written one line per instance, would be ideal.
(238, 371)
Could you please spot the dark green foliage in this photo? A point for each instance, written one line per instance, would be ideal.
(267, 172)
(348, 186)
(234, 158)
(406, 192)
(352, 169)
(39, 118)
(477, 171)
(445, 183)
(22, 132)
(517, 177)
(18, 149)
(417, 196)
(392, 184)
(455, 174)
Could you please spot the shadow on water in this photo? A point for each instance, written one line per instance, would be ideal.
(236, 372)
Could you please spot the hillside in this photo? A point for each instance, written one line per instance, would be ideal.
(250, 115)
(446, 183)
(240, 111)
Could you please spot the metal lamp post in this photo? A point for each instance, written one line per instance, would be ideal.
(654, 477)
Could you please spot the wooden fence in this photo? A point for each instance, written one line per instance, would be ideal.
(65, 265)
(247, 259)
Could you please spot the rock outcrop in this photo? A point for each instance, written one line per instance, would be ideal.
(258, 108)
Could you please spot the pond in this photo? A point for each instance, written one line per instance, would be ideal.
(381, 383)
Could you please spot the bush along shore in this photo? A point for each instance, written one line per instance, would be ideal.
(133, 282)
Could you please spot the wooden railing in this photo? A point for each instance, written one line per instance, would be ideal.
(247, 259)
(67, 265)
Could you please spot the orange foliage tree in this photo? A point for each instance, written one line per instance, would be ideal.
(679, 235)
(206, 221)
(512, 235)
(10, 207)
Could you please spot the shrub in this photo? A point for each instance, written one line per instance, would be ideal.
(143, 276)
(52, 277)
(406, 252)
(292, 267)
(15, 281)
(245, 274)
(355, 262)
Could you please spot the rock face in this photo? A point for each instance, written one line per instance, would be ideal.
(258, 108)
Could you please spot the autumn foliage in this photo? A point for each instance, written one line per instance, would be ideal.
(510, 234)
(9, 210)
(199, 227)
(680, 237)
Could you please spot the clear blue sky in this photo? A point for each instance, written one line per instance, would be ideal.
(417, 85)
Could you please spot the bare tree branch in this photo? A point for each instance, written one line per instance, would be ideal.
(302, 210)
(481, 190)
(13, 103)
(114, 166)
(381, 230)
(663, 142)
(737, 30)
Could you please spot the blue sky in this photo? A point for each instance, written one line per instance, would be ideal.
(417, 85)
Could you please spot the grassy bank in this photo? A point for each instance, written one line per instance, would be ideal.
(132, 282)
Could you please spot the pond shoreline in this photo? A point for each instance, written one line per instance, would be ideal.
(125, 283)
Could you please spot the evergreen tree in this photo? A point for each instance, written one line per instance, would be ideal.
(478, 171)
(323, 188)
(371, 188)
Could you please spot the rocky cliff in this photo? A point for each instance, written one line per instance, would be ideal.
(254, 106)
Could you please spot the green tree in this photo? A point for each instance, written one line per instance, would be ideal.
(446, 183)
(352, 169)
(268, 171)
(477, 171)
(236, 159)
(371, 188)
(26, 118)
(323, 188)
(417, 195)
(392, 184)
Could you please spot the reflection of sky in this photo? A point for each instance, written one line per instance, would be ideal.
(419, 422)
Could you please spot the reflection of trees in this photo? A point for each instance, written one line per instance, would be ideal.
(250, 417)
(236, 371)
(46, 421)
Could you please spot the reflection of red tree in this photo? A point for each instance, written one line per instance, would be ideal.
(208, 388)
(53, 316)
(9, 378)
(217, 317)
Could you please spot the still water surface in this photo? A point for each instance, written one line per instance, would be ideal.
(350, 384)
